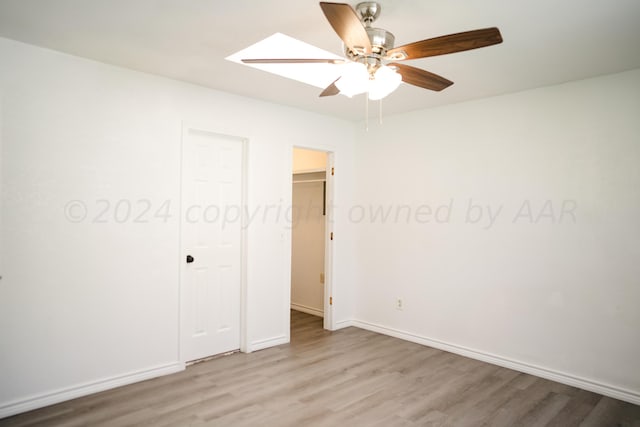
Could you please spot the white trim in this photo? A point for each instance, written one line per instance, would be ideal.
(307, 309)
(342, 324)
(550, 374)
(64, 394)
(329, 289)
(269, 342)
(245, 346)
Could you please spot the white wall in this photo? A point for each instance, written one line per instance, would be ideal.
(85, 306)
(560, 296)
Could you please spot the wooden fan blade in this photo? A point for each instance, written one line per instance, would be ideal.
(293, 61)
(446, 44)
(347, 25)
(331, 90)
(421, 78)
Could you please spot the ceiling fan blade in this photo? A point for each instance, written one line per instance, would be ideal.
(331, 90)
(347, 25)
(421, 78)
(293, 61)
(446, 44)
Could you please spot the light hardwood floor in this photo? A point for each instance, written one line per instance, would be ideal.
(350, 377)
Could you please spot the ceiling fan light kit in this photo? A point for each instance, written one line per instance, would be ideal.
(372, 60)
(354, 79)
(385, 82)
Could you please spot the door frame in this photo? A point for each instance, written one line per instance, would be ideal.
(211, 129)
(328, 319)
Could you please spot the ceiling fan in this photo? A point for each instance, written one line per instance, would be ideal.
(371, 63)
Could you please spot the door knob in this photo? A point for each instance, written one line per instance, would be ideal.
(190, 259)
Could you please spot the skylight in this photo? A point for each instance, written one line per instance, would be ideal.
(282, 46)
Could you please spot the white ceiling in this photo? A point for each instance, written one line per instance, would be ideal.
(545, 42)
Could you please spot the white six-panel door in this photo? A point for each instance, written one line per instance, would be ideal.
(211, 240)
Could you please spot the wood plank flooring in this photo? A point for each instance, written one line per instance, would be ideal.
(348, 377)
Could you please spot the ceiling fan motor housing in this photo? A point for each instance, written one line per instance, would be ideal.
(381, 39)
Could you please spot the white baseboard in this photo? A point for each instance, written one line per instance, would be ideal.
(61, 395)
(342, 324)
(564, 378)
(307, 309)
(269, 342)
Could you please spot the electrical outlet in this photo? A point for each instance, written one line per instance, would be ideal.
(399, 304)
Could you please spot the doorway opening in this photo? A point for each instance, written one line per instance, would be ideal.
(311, 293)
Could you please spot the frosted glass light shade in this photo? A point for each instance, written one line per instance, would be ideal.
(385, 81)
(354, 80)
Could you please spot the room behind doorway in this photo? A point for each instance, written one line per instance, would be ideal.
(308, 231)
